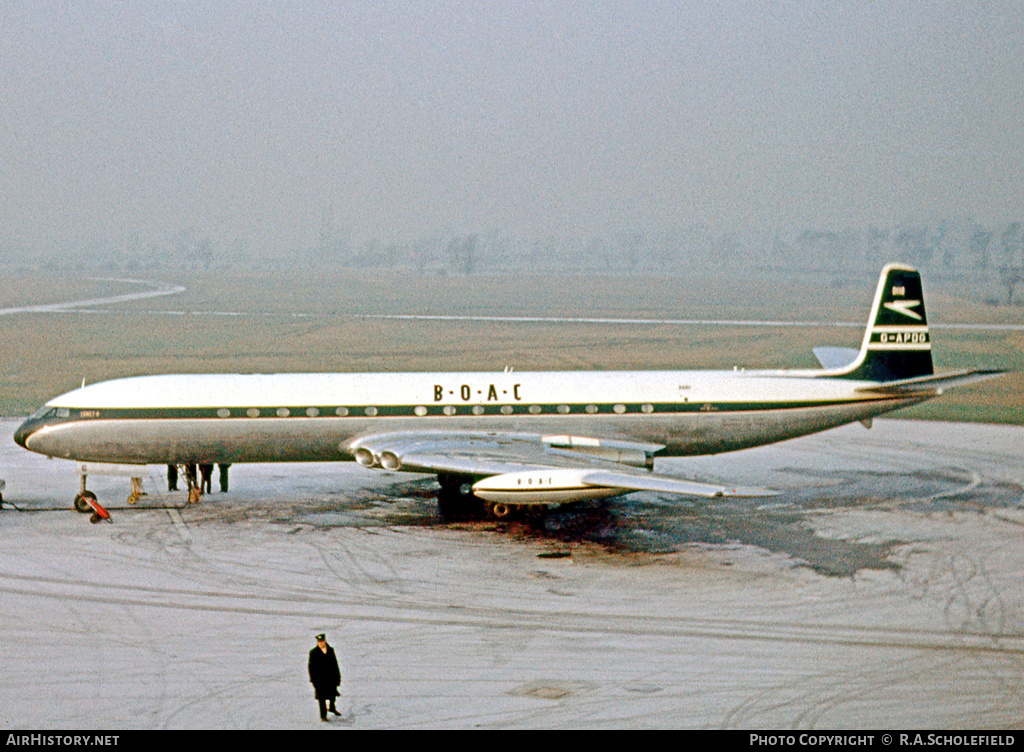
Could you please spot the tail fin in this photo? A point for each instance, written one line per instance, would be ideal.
(896, 344)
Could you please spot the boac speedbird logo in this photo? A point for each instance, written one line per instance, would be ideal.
(904, 306)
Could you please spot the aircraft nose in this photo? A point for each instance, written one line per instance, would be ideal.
(24, 431)
(32, 424)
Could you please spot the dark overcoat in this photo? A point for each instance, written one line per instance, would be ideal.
(324, 673)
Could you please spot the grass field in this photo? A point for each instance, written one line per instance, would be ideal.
(309, 320)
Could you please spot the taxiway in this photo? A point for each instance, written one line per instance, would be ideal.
(881, 588)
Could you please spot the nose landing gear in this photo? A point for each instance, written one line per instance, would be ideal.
(86, 502)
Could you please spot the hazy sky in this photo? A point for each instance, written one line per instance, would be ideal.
(133, 121)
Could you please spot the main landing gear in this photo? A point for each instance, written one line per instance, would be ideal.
(456, 501)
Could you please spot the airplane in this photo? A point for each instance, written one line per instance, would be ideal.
(508, 441)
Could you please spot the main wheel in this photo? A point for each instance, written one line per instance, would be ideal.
(501, 511)
(456, 500)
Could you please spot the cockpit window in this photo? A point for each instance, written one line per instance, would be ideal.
(46, 411)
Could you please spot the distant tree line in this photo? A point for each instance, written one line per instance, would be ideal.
(990, 257)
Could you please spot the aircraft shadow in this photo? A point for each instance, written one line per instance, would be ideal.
(659, 523)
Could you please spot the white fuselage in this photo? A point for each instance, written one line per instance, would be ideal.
(318, 417)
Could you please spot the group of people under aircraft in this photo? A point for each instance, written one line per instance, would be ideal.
(206, 473)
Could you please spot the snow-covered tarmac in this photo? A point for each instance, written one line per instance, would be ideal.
(661, 613)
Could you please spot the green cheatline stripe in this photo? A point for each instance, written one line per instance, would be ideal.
(402, 411)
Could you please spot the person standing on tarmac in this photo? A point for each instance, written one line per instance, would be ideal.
(324, 675)
(223, 468)
(206, 484)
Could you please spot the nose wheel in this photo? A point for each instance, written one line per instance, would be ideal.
(84, 502)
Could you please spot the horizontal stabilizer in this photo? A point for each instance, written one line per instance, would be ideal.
(933, 383)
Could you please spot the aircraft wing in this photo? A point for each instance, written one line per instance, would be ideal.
(507, 461)
(668, 484)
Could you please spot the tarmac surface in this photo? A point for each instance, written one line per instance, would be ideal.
(882, 588)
